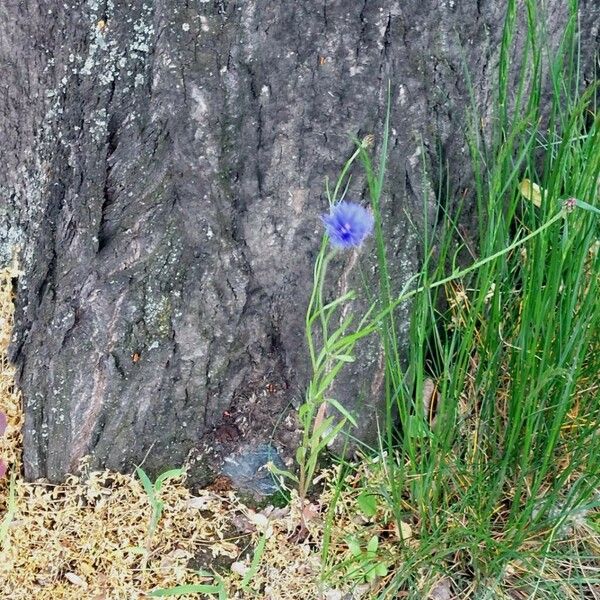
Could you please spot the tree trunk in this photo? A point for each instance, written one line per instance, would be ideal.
(162, 180)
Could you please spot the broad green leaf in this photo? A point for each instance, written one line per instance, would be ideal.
(354, 546)
(373, 544)
(300, 454)
(367, 504)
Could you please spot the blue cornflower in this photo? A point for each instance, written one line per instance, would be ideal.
(348, 224)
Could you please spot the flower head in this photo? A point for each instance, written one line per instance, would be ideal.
(348, 224)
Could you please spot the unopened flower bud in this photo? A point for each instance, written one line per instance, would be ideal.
(368, 141)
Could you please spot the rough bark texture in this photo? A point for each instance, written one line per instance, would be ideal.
(162, 169)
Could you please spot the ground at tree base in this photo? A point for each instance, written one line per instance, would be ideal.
(88, 538)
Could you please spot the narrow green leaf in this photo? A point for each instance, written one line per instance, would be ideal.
(256, 558)
(328, 437)
(146, 483)
(136, 550)
(180, 590)
(277, 471)
(343, 410)
(322, 429)
(586, 206)
(166, 475)
(347, 358)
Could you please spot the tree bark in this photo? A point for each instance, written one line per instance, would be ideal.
(162, 180)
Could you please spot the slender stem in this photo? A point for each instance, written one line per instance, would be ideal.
(469, 269)
(345, 170)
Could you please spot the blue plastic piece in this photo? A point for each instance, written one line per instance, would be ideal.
(248, 471)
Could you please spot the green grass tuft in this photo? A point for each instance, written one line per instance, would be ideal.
(491, 447)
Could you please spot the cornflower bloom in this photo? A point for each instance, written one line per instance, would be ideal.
(348, 224)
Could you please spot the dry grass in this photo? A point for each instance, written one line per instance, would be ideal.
(10, 400)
